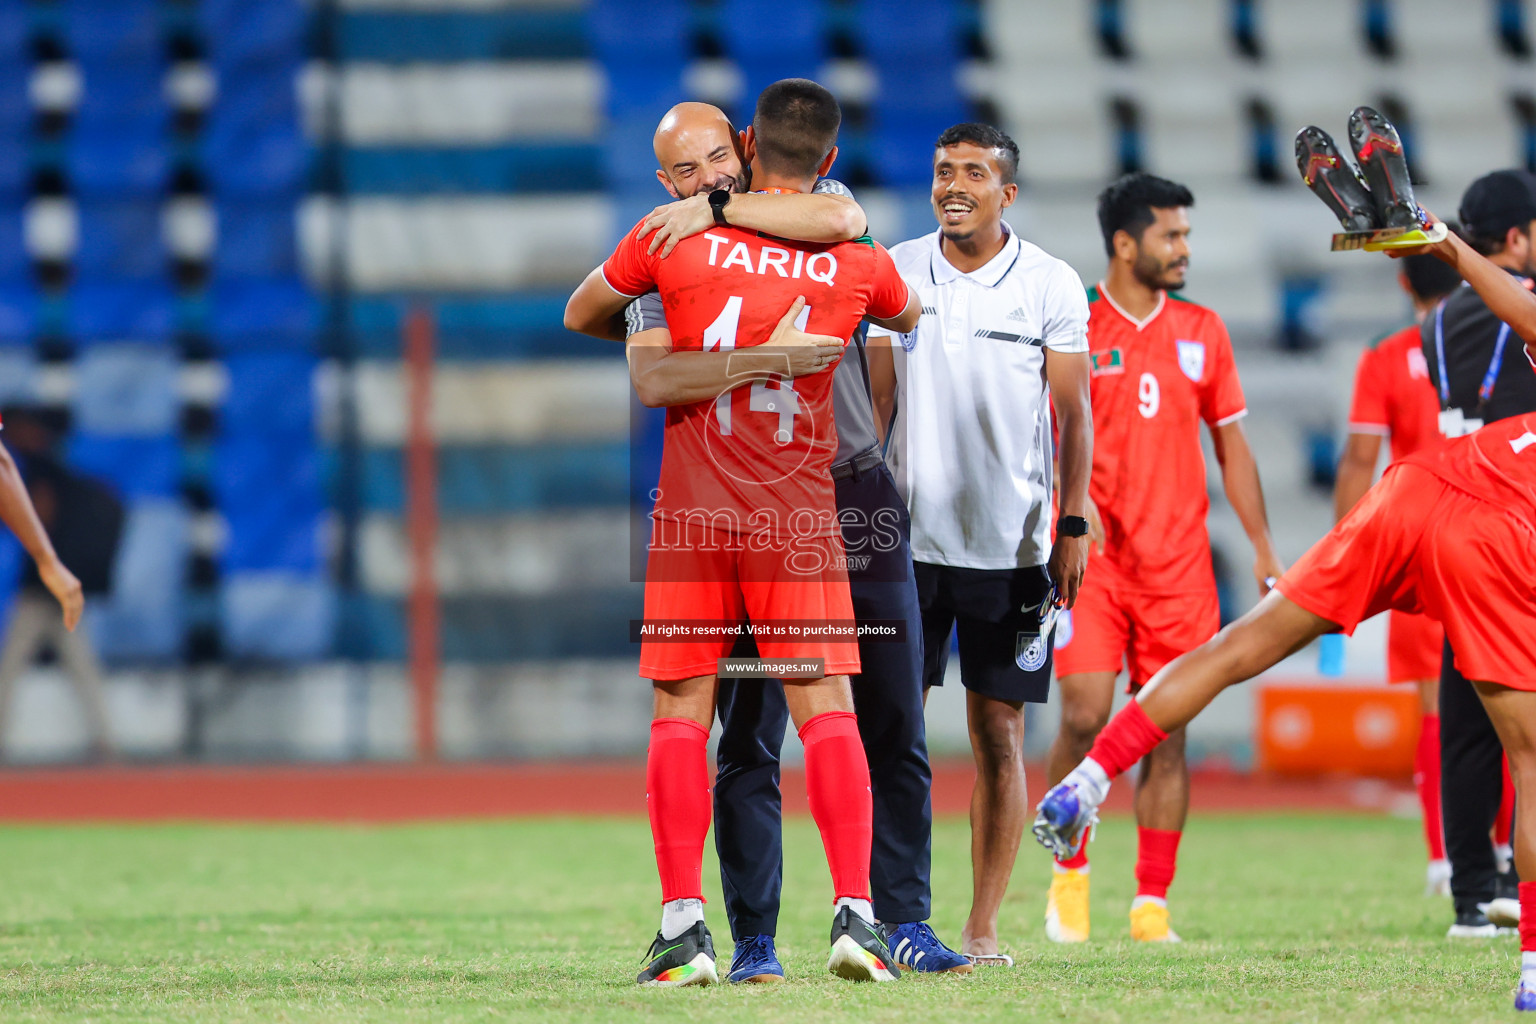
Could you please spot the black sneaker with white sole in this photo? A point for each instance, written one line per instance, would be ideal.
(859, 952)
(688, 959)
(1379, 150)
(1334, 180)
(1472, 924)
(1504, 909)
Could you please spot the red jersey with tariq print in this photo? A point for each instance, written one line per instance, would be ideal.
(755, 460)
(1153, 383)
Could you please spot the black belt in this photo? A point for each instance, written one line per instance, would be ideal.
(858, 465)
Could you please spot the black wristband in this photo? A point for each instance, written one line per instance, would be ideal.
(1072, 526)
(717, 200)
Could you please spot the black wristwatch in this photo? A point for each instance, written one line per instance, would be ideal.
(717, 200)
(1072, 526)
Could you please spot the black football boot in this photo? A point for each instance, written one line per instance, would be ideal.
(1334, 180)
(1379, 151)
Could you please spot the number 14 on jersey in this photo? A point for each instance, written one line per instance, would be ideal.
(782, 400)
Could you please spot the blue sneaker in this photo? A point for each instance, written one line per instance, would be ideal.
(916, 948)
(1525, 998)
(754, 961)
(1063, 818)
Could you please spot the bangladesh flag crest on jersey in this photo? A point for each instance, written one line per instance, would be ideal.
(1192, 359)
(1111, 361)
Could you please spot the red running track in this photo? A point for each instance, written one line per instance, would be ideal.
(408, 792)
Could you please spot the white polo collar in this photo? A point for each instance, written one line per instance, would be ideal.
(989, 274)
(1140, 325)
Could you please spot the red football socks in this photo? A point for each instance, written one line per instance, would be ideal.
(677, 798)
(1157, 856)
(837, 782)
(1077, 861)
(1426, 779)
(1128, 737)
(1504, 824)
(1528, 917)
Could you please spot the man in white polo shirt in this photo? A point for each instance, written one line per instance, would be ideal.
(1003, 335)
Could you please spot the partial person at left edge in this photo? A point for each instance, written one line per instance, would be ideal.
(31, 621)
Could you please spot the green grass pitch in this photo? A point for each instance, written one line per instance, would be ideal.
(1285, 917)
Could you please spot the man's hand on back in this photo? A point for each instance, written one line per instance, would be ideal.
(677, 221)
(805, 353)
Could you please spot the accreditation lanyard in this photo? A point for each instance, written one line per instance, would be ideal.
(1485, 390)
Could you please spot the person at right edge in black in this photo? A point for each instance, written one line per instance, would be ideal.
(1479, 371)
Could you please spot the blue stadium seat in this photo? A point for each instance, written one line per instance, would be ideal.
(18, 312)
(142, 620)
(14, 262)
(252, 315)
(120, 240)
(119, 143)
(243, 32)
(120, 311)
(131, 161)
(268, 488)
(624, 30)
(270, 393)
(906, 29)
(257, 239)
(510, 32)
(115, 94)
(256, 159)
(15, 105)
(138, 467)
(774, 39)
(117, 31)
(126, 389)
(278, 616)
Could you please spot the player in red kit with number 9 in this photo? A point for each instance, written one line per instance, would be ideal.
(745, 527)
(1161, 366)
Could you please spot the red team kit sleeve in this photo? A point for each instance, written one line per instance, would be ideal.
(1221, 398)
(888, 293)
(630, 271)
(1368, 412)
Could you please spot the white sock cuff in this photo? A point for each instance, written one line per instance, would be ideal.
(680, 915)
(1140, 900)
(863, 908)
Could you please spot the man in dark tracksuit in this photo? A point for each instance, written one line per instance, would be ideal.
(1480, 374)
(887, 696)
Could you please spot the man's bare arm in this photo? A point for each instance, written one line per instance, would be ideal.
(663, 378)
(882, 379)
(596, 309)
(1240, 481)
(1357, 470)
(813, 217)
(1509, 300)
(1067, 373)
(16, 511)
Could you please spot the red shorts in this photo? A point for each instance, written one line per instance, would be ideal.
(1114, 627)
(1416, 544)
(725, 579)
(1414, 646)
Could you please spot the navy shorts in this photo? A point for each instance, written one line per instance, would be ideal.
(1002, 654)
